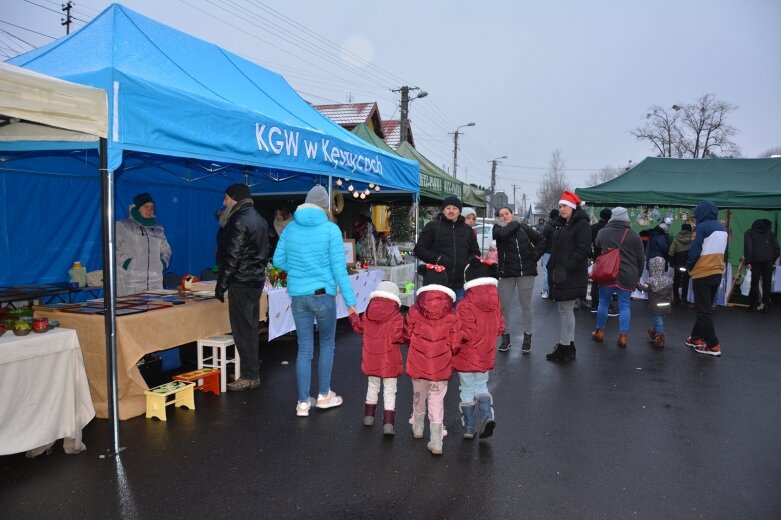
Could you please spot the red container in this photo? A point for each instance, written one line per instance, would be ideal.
(40, 324)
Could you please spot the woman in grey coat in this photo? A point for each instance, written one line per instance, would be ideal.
(632, 263)
(143, 253)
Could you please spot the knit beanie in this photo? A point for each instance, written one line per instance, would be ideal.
(605, 214)
(238, 192)
(619, 213)
(388, 287)
(570, 199)
(451, 200)
(686, 227)
(468, 211)
(554, 213)
(317, 196)
(141, 199)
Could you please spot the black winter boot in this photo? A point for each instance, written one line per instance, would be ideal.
(527, 343)
(557, 354)
(505, 346)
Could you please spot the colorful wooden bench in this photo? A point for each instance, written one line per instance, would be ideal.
(157, 398)
(206, 379)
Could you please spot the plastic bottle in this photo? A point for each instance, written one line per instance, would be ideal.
(77, 274)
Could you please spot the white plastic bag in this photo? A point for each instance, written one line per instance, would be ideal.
(745, 285)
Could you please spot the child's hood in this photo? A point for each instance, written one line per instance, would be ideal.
(434, 304)
(382, 308)
(483, 295)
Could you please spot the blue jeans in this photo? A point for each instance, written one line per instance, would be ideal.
(658, 323)
(624, 308)
(545, 258)
(306, 311)
(472, 384)
(459, 294)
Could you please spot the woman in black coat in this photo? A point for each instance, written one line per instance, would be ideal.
(568, 270)
(520, 248)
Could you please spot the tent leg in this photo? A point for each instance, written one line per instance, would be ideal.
(109, 292)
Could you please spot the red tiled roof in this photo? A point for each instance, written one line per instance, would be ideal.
(392, 130)
(348, 115)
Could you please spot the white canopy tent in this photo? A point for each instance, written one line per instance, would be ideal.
(39, 108)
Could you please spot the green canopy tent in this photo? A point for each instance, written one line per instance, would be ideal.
(436, 184)
(744, 190)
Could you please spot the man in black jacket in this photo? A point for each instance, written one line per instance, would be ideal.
(448, 240)
(760, 250)
(242, 253)
(548, 230)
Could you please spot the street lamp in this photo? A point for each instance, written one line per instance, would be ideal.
(455, 148)
(405, 101)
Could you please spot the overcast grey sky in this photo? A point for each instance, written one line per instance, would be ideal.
(534, 75)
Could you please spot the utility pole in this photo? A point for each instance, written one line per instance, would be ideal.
(515, 201)
(66, 8)
(455, 153)
(523, 205)
(493, 179)
(405, 100)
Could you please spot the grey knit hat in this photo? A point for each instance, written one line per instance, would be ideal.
(619, 213)
(317, 196)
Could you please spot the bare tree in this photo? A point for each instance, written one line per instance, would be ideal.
(776, 150)
(554, 183)
(605, 174)
(698, 129)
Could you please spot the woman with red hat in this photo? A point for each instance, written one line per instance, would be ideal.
(568, 269)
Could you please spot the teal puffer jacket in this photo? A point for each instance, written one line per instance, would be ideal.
(311, 252)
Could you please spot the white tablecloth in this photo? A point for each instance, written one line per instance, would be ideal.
(398, 273)
(280, 318)
(44, 389)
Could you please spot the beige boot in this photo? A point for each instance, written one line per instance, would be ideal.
(435, 444)
(598, 335)
(622, 340)
(659, 341)
(418, 424)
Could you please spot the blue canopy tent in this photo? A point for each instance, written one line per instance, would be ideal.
(186, 119)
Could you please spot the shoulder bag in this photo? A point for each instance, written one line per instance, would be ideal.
(607, 265)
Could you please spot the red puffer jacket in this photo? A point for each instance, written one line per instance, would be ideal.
(382, 327)
(433, 333)
(481, 319)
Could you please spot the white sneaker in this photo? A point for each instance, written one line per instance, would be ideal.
(544, 295)
(329, 400)
(302, 409)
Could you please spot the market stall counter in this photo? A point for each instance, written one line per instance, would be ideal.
(138, 334)
(45, 395)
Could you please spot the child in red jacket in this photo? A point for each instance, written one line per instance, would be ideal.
(480, 314)
(382, 327)
(433, 333)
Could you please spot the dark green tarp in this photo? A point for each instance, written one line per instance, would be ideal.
(436, 184)
(729, 183)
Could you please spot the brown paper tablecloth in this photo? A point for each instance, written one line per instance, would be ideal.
(138, 334)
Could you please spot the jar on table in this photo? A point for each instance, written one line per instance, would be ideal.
(40, 324)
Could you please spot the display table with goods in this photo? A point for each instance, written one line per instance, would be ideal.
(145, 323)
(276, 302)
(48, 293)
(45, 393)
(402, 275)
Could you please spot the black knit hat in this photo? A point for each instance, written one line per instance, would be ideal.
(433, 274)
(477, 268)
(554, 213)
(451, 200)
(238, 192)
(605, 214)
(141, 199)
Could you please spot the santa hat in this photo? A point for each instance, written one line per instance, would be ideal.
(480, 272)
(434, 279)
(387, 290)
(570, 199)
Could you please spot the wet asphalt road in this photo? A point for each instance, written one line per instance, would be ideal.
(635, 433)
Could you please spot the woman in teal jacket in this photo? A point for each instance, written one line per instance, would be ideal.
(311, 251)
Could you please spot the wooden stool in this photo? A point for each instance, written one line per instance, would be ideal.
(157, 398)
(219, 357)
(208, 379)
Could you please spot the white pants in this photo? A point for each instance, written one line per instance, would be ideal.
(389, 394)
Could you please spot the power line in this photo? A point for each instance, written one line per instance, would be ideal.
(14, 36)
(26, 29)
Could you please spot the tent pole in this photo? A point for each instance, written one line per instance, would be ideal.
(109, 292)
(416, 200)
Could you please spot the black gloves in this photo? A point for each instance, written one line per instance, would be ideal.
(219, 293)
